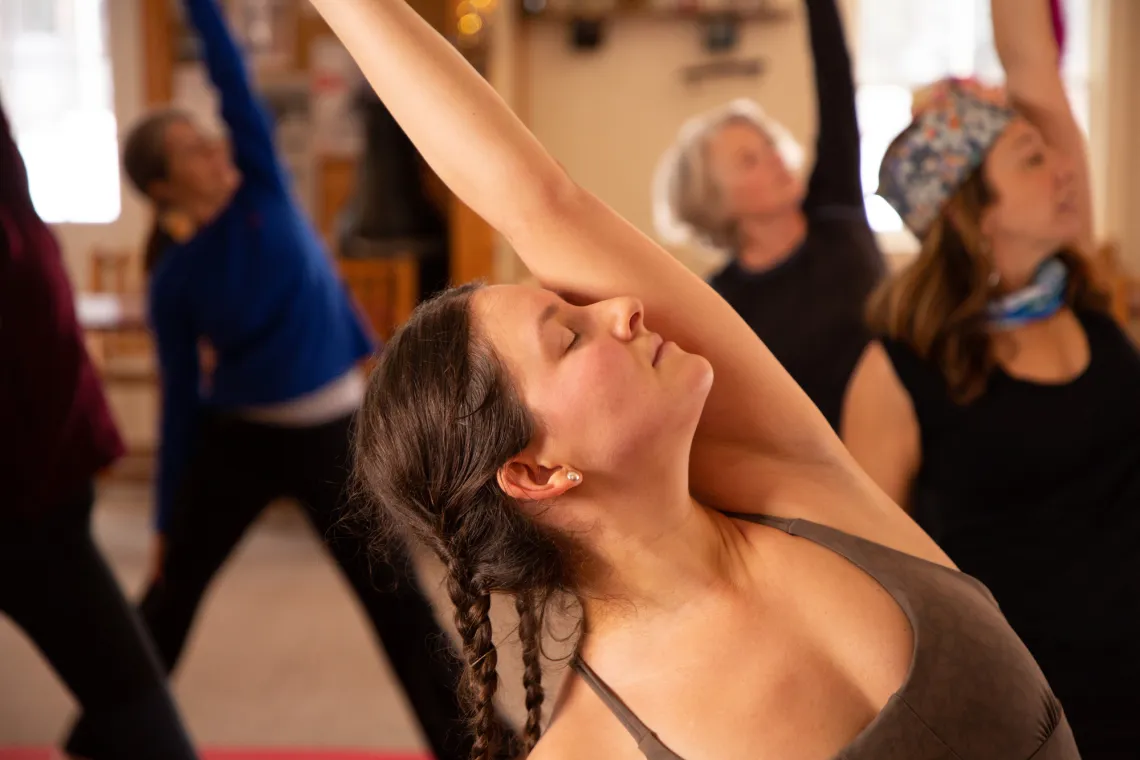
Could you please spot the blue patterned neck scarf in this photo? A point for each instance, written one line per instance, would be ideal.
(1038, 300)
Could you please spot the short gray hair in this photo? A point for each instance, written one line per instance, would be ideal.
(687, 206)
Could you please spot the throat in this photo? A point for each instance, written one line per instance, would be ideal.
(687, 564)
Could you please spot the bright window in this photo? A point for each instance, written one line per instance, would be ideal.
(905, 44)
(55, 83)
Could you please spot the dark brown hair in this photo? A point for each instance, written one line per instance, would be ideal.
(937, 305)
(440, 418)
(144, 161)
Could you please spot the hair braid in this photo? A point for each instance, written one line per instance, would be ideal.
(480, 678)
(530, 635)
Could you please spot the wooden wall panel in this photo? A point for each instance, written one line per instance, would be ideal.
(158, 51)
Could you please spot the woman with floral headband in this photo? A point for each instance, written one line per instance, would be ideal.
(1000, 404)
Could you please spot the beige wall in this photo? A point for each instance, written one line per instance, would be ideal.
(608, 114)
(1115, 151)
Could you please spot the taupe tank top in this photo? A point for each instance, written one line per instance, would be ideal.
(973, 691)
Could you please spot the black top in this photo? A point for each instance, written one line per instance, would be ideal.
(1035, 490)
(808, 310)
(972, 691)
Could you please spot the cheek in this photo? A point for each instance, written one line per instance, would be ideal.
(604, 380)
(595, 402)
(1029, 197)
(747, 190)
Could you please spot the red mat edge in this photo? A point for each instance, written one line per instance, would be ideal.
(268, 753)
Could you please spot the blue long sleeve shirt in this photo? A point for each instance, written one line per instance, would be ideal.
(256, 282)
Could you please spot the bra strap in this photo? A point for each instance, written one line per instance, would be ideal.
(632, 723)
(780, 523)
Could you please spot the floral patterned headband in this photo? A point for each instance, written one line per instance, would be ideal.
(956, 122)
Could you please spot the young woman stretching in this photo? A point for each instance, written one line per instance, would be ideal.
(1000, 403)
(747, 591)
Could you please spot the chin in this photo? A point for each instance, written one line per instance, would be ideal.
(695, 381)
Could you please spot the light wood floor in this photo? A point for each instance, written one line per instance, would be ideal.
(280, 655)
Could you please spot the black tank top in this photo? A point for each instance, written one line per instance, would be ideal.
(973, 692)
(1034, 489)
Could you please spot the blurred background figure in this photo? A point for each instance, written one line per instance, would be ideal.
(234, 263)
(1001, 402)
(802, 265)
(56, 433)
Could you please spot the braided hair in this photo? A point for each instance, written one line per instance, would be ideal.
(439, 419)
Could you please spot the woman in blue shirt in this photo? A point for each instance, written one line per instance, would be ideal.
(234, 264)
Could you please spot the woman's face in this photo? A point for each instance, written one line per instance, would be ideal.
(751, 174)
(1036, 209)
(610, 396)
(200, 173)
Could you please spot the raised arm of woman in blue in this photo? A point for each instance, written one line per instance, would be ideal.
(250, 128)
(177, 343)
(835, 180)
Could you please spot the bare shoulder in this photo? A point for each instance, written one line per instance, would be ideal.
(877, 403)
(875, 365)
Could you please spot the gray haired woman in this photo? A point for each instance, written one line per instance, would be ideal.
(803, 265)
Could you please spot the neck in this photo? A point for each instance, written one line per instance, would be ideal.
(657, 557)
(183, 221)
(769, 241)
(1016, 277)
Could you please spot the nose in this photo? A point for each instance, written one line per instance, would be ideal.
(1065, 169)
(628, 315)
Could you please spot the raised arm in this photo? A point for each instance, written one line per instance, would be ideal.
(835, 180)
(178, 367)
(1026, 38)
(568, 238)
(249, 125)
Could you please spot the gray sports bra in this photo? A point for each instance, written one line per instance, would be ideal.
(973, 691)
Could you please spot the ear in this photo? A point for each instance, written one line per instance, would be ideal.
(525, 479)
